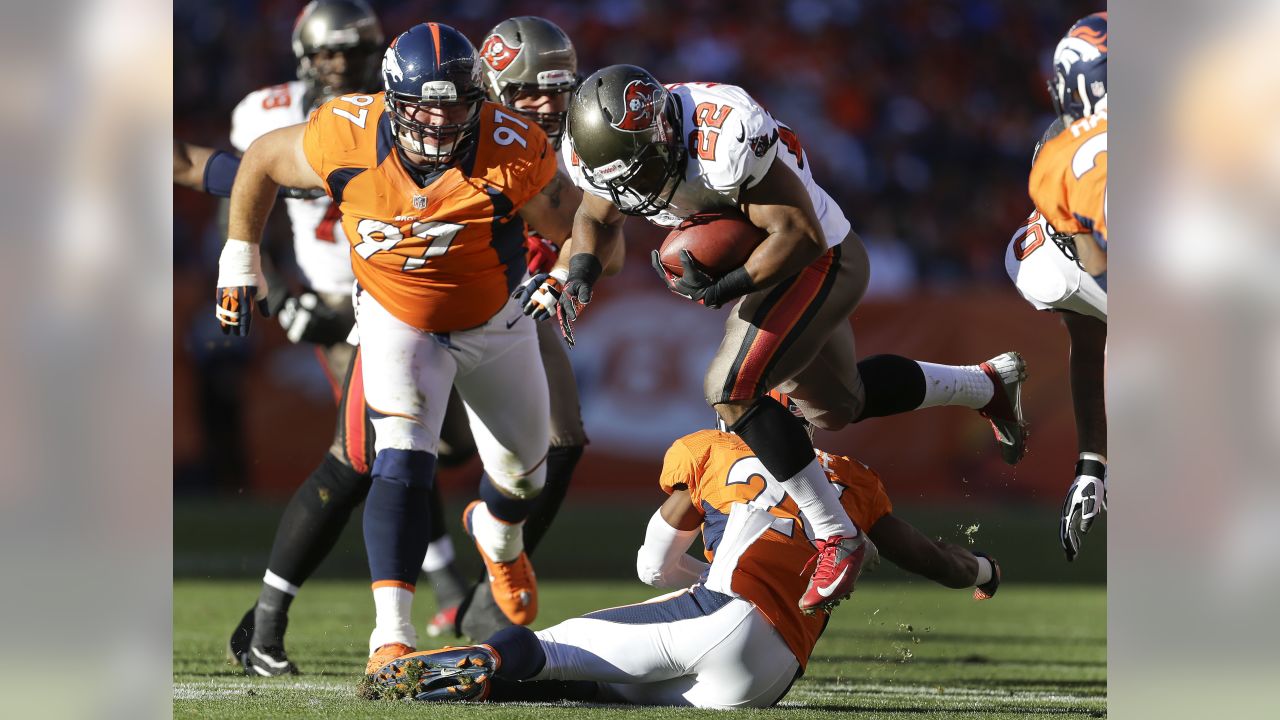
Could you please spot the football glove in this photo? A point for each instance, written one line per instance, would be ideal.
(584, 270)
(241, 284)
(698, 285)
(542, 253)
(1086, 501)
(306, 318)
(539, 296)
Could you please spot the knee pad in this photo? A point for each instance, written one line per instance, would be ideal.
(396, 432)
(336, 483)
(520, 485)
(410, 468)
(776, 437)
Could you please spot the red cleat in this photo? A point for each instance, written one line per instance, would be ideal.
(840, 561)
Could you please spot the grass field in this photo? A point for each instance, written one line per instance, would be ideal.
(899, 650)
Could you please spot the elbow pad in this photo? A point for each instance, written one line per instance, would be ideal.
(658, 560)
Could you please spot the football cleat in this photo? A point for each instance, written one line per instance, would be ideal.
(1007, 372)
(451, 674)
(385, 654)
(514, 586)
(840, 560)
(987, 590)
(256, 661)
(443, 622)
(241, 639)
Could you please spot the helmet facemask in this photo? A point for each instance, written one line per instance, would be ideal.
(440, 143)
(646, 185)
(559, 87)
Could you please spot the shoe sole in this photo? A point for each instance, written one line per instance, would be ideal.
(425, 680)
(1013, 453)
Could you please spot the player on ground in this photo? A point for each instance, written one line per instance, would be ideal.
(430, 180)
(733, 637)
(1069, 187)
(639, 148)
(338, 44)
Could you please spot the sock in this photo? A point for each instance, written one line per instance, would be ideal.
(397, 514)
(503, 506)
(313, 521)
(984, 571)
(964, 385)
(501, 541)
(819, 502)
(520, 650)
(780, 443)
(393, 607)
(561, 462)
(271, 614)
(893, 384)
(445, 579)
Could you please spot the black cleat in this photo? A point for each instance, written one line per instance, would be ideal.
(241, 638)
(267, 661)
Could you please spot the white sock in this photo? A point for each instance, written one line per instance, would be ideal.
(439, 555)
(393, 605)
(501, 541)
(984, 571)
(963, 385)
(819, 502)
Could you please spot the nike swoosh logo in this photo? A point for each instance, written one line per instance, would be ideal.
(742, 132)
(826, 592)
(513, 323)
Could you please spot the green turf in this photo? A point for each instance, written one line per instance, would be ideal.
(897, 651)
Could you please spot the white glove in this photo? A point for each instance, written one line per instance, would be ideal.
(1086, 501)
(540, 294)
(240, 281)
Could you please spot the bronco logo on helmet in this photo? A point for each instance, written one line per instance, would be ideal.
(498, 53)
(639, 112)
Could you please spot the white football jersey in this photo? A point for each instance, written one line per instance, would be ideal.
(732, 143)
(319, 243)
(1047, 278)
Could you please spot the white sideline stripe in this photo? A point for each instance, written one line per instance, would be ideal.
(280, 583)
(935, 691)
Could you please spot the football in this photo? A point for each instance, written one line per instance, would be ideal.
(720, 241)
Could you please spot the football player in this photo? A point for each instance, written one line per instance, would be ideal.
(338, 45)
(733, 636)
(1068, 185)
(431, 182)
(666, 153)
(530, 65)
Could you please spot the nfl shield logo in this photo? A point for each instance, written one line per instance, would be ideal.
(419, 202)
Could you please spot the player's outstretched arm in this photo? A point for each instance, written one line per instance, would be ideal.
(908, 548)
(663, 560)
(1087, 496)
(273, 160)
(780, 206)
(597, 233)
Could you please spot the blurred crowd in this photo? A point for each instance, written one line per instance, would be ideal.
(919, 116)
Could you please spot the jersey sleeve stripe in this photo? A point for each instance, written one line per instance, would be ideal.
(338, 180)
(386, 138)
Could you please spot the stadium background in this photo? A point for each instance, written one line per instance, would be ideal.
(918, 117)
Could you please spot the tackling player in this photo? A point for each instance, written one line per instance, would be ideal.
(338, 45)
(431, 181)
(734, 636)
(637, 147)
(1068, 184)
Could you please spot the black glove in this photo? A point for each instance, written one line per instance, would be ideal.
(698, 285)
(584, 270)
(306, 318)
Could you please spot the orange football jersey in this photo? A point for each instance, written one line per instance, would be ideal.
(719, 470)
(1069, 178)
(444, 257)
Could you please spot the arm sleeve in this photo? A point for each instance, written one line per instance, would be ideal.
(663, 560)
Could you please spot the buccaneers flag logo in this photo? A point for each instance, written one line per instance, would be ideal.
(499, 53)
(639, 101)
